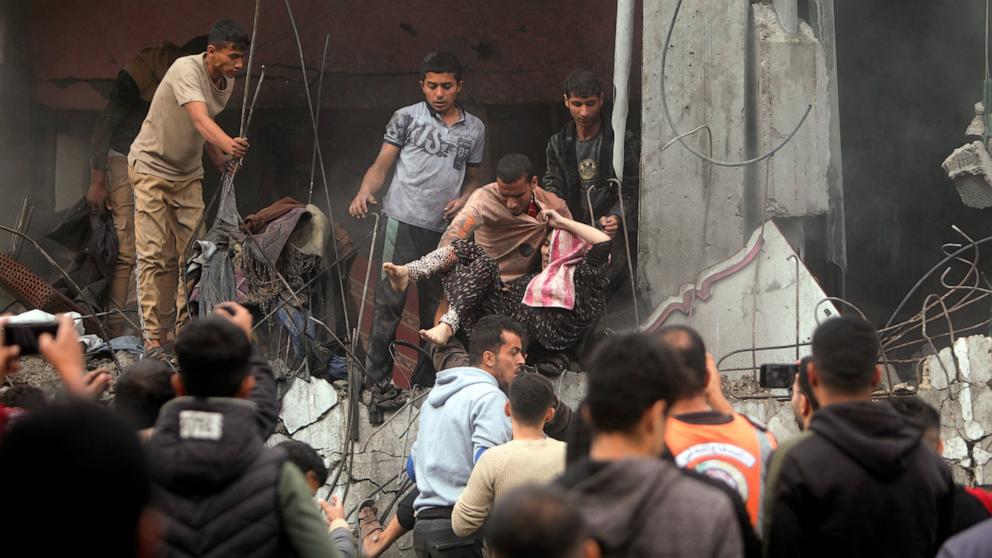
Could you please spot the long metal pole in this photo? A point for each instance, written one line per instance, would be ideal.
(251, 58)
(320, 156)
(621, 78)
(320, 87)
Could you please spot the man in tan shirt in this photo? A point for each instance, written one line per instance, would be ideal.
(529, 458)
(504, 218)
(165, 162)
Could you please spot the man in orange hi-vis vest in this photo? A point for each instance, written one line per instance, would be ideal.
(704, 433)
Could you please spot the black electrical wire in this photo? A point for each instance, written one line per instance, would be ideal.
(679, 136)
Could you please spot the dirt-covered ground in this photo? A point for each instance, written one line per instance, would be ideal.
(34, 371)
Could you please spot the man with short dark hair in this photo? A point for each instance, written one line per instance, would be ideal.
(635, 503)
(165, 163)
(580, 160)
(463, 417)
(713, 439)
(972, 505)
(142, 390)
(503, 217)
(504, 220)
(437, 148)
(539, 522)
(311, 464)
(207, 459)
(146, 386)
(530, 457)
(860, 481)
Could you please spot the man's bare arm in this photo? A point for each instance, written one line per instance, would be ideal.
(197, 110)
(374, 178)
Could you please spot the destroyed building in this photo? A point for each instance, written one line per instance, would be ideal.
(791, 157)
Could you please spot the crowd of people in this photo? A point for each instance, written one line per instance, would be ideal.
(654, 462)
(510, 247)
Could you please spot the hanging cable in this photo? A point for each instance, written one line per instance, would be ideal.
(679, 136)
(320, 159)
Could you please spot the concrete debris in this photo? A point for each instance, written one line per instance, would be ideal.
(325, 435)
(960, 389)
(970, 167)
(977, 127)
(306, 402)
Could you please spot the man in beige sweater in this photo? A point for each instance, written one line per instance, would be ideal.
(529, 458)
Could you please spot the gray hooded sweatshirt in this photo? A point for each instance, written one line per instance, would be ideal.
(647, 507)
(464, 416)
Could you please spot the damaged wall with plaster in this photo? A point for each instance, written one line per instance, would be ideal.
(959, 384)
(750, 88)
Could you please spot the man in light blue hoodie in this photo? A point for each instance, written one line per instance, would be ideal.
(462, 417)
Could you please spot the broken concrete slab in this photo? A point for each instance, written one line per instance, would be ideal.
(979, 363)
(970, 168)
(965, 404)
(305, 402)
(325, 435)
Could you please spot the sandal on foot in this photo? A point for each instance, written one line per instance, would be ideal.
(368, 519)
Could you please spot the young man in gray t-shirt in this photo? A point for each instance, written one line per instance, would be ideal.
(437, 148)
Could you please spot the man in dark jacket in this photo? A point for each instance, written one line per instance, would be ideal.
(580, 159)
(860, 481)
(222, 492)
(635, 503)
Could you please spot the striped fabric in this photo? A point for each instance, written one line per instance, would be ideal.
(554, 286)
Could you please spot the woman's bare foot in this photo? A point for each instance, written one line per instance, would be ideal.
(439, 334)
(399, 276)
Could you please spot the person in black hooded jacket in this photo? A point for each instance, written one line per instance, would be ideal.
(219, 489)
(580, 159)
(860, 481)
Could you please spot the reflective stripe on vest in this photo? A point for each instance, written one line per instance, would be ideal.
(735, 453)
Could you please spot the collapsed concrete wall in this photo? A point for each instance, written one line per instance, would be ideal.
(959, 383)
